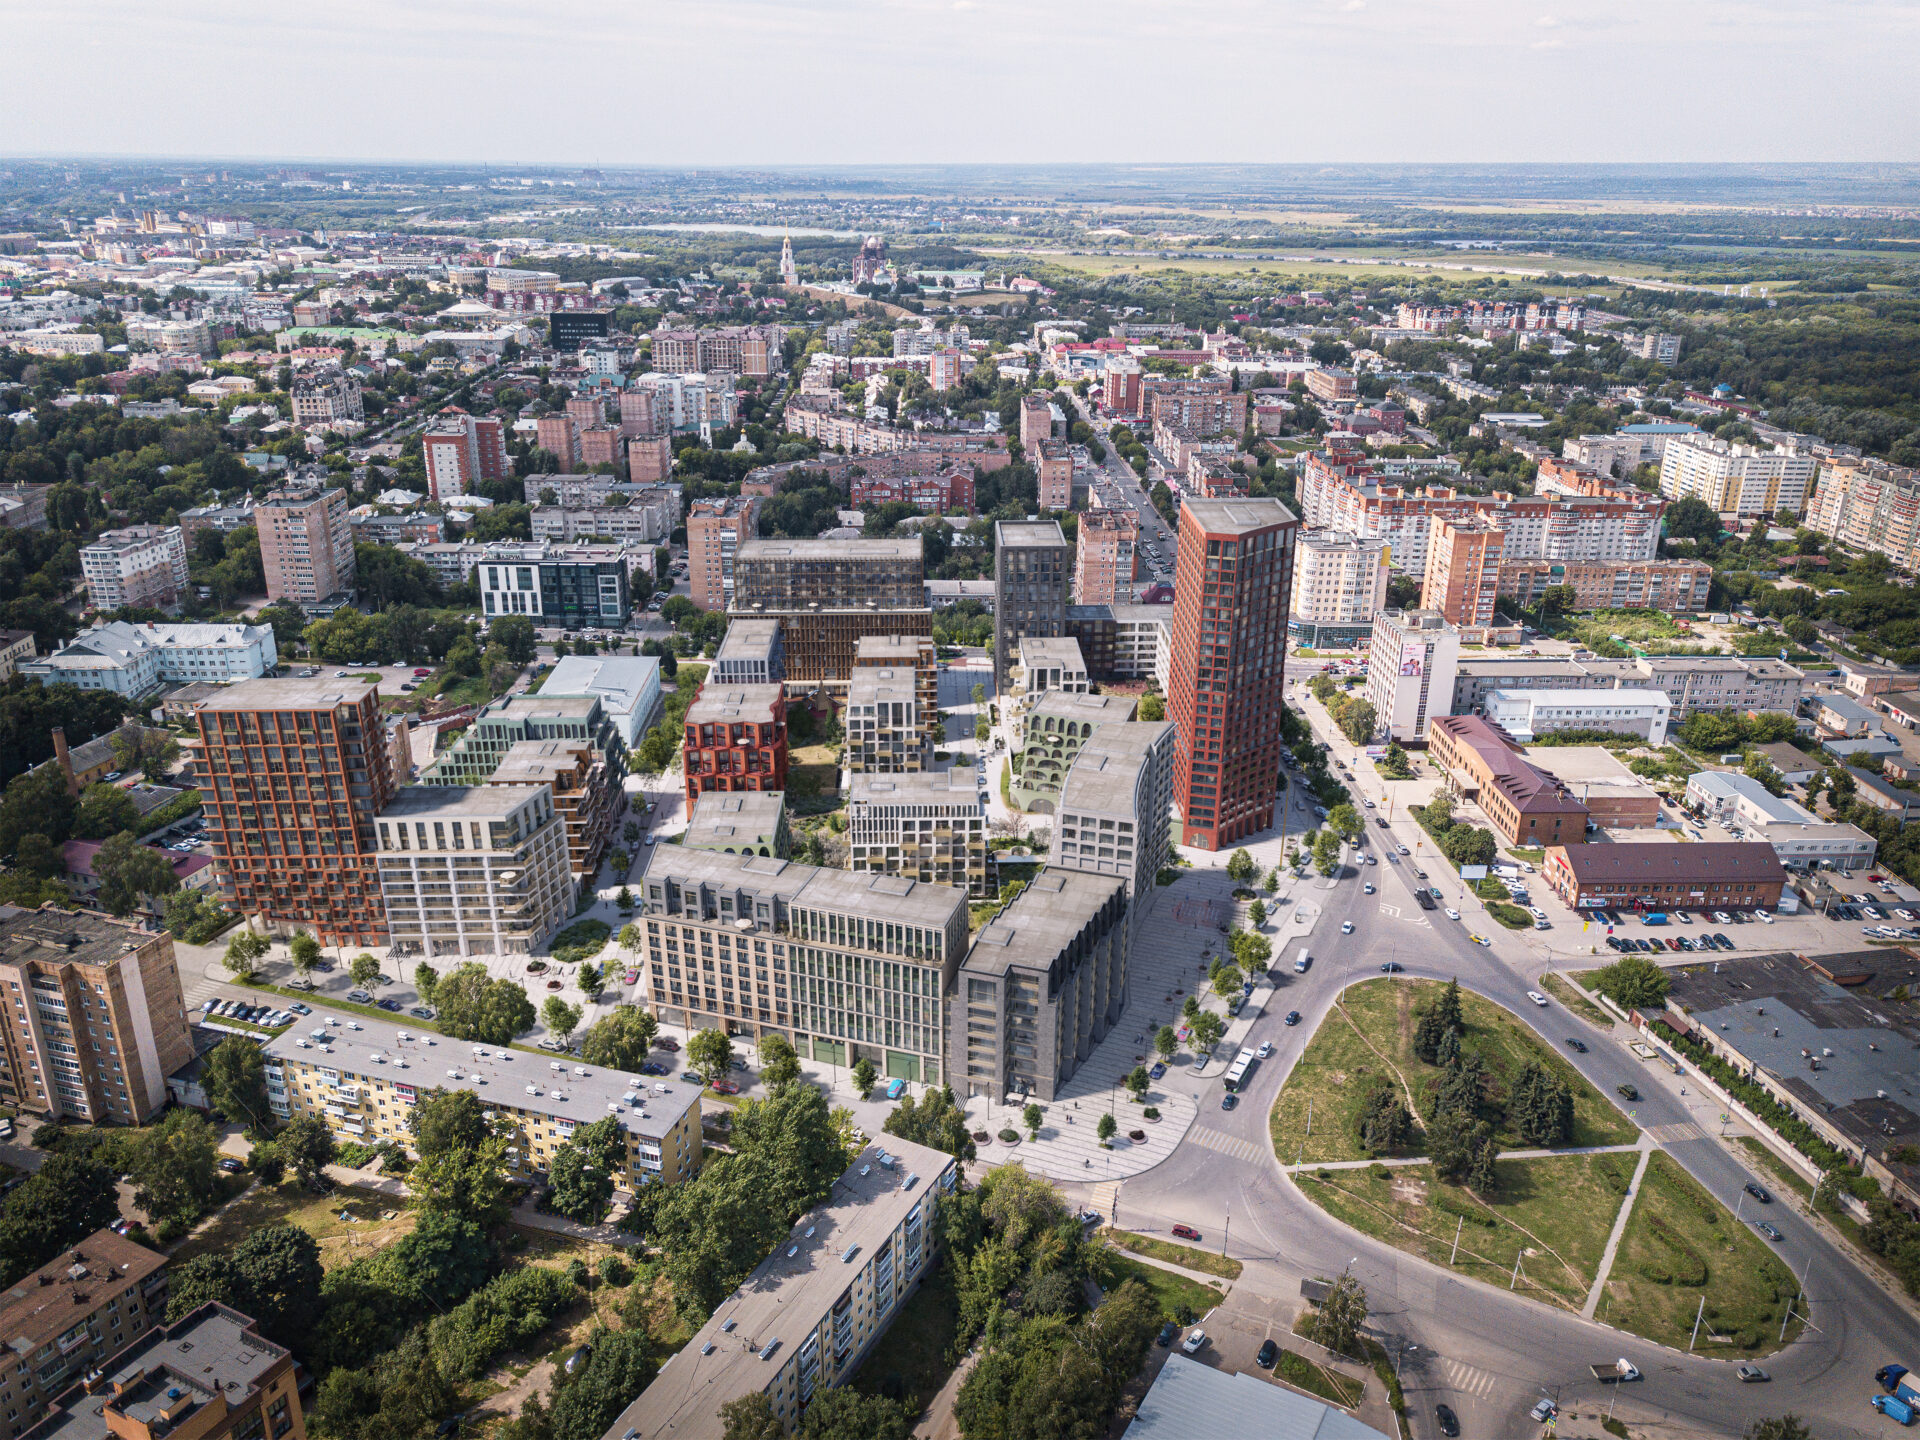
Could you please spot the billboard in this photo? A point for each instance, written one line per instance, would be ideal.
(1473, 872)
(1413, 658)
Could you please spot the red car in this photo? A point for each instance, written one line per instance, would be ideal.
(725, 1087)
(1186, 1232)
(421, 674)
(665, 1042)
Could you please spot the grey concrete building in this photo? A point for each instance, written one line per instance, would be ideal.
(751, 653)
(1032, 571)
(1040, 987)
(1053, 731)
(1115, 811)
(930, 827)
(1691, 682)
(886, 731)
(740, 822)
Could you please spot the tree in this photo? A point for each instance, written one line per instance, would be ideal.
(513, 634)
(579, 1188)
(620, 1039)
(1386, 1124)
(1031, 1116)
(1440, 1019)
(1152, 708)
(1137, 1083)
(1207, 1029)
(1469, 845)
(1342, 1316)
(1692, 519)
(305, 951)
(561, 1019)
(1394, 764)
(151, 752)
(172, 1165)
(469, 1181)
(1166, 1042)
(751, 1417)
(128, 870)
(307, 1145)
(1326, 852)
(363, 969)
(1343, 819)
(1106, 1128)
(1240, 867)
(843, 1413)
(1358, 721)
(67, 1199)
(1257, 914)
(1633, 981)
(1540, 1106)
(711, 1053)
(1450, 1143)
(1226, 980)
(865, 1076)
(591, 980)
(425, 979)
(474, 1006)
(243, 950)
(235, 1076)
(779, 1063)
(105, 810)
(273, 1275)
(936, 1121)
(621, 1366)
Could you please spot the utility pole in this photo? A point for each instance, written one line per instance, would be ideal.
(1696, 1323)
(1516, 1273)
(1462, 1220)
(1226, 1230)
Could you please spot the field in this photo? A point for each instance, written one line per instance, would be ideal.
(1552, 1214)
(1371, 1035)
(1205, 1261)
(1176, 1293)
(378, 1220)
(1682, 1244)
(814, 764)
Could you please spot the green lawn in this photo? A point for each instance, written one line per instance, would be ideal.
(1681, 1234)
(910, 1362)
(1783, 1173)
(1554, 1214)
(1330, 1385)
(1344, 1061)
(1576, 1002)
(1173, 1292)
(1205, 1261)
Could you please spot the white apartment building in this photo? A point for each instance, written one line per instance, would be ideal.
(629, 524)
(325, 394)
(56, 340)
(139, 565)
(1735, 479)
(473, 870)
(169, 337)
(1800, 838)
(134, 660)
(886, 733)
(1869, 505)
(1527, 714)
(1412, 662)
(930, 826)
(1339, 585)
(1112, 817)
(1609, 454)
(682, 401)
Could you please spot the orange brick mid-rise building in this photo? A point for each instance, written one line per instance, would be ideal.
(555, 435)
(306, 547)
(1226, 677)
(1054, 465)
(1103, 560)
(459, 450)
(1527, 805)
(1036, 421)
(1463, 569)
(736, 739)
(716, 529)
(295, 773)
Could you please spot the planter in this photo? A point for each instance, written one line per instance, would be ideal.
(1152, 1115)
(536, 967)
(1139, 1137)
(981, 1137)
(1009, 1137)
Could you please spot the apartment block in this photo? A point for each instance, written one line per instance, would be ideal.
(169, 337)
(1053, 730)
(741, 822)
(630, 525)
(1115, 812)
(363, 1081)
(573, 586)
(135, 660)
(716, 529)
(828, 594)
(814, 1307)
(325, 394)
(1036, 421)
(1339, 585)
(306, 548)
(1053, 464)
(86, 1304)
(1030, 577)
(1411, 664)
(1669, 585)
(1048, 664)
(627, 687)
(1463, 570)
(1233, 578)
(946, 369)
(460, 450)
(1869, 505)
(1042, 984)
(886, 733)
(1332, 385)
(16, 648)
(555, 434)
(845, 965)
(143, 565)
(636, 414)
(736, 739)
(1735, 479)
(479, 871)
(936, 493)
(298, 773)
(1104, 557)
(98, 1021)
(210, 1375)
(751, 653)
(909, 655)
(930, 827)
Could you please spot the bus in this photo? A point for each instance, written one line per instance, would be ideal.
(1238, 1070)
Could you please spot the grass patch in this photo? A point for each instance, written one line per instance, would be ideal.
(1330, 1385)
(1339, 1069)
(1533, 855)
(1576, 1002)
(1205, 1261)
(1553, 1214)
(1511, 916)
(1176, 1294)
(910, 1362)
(1681, 1244)
(291, 1203)
(1783, 1173)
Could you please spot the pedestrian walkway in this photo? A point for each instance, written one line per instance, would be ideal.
(1231, 1145)
(1468, 1379)
(1422, 1160)
(1619, 1229)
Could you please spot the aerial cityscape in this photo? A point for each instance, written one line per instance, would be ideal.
(724, 781)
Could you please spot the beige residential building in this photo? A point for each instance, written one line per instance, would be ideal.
(306, 548)
(1104, 555)
(886, 733)
(1869, 505)
(716, 529)
(1735, 479)
(918, 655)
(97, 1021)
(141, 565)
(930, 826)
(1339, 585)
(1463, 570)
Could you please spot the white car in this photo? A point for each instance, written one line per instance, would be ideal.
(1536, 912)
(1452, 914)
(1537, 998)
(1870, 913)
(1195, 1343)
(1367, 803)
(1266, 1049)
(1765, 917)
(1904, 914)
(1721, 917)
(1402, 850)
(1346, 927)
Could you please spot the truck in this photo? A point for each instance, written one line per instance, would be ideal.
(1616, 1372)
(1898, 1380)
(1301, 962)
(1895, 1408)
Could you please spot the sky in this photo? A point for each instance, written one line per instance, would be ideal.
(817, 82)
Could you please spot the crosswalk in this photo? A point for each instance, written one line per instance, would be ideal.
(1104, 1197)
(1225, 1144)
(1673, 1134)
(1467, 1379)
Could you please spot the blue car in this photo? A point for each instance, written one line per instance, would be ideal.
(1157, 1071)
(895, 1088)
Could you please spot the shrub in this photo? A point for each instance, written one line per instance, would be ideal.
(1009, 1137)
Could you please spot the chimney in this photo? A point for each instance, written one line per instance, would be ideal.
(64, 760)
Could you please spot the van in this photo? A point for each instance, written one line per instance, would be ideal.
(1653, 919)
(1301, 962)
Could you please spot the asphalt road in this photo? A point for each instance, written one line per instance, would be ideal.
(1488, 1354)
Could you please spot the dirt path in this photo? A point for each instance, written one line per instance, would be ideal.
(507, 1402)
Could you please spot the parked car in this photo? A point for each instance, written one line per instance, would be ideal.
(1195, 1342)
(1269, 1352)
(692, 1077)
(360, 997)
(726, 1087)
(1169, 1332)
(653, 1067)
(1185, 1232)
(1626, 1091)
(389, 1004)
(421, 1012)
(231, 1165)
(1159, 1069)
(665, 1042)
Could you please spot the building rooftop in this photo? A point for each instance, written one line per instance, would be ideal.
(1731, 785)
(1883, 787)
(1042, 921)
(315, 694)
(1061, 652)
(929, 787)
(857, 549)
(1029, 533)
(897, 649)
(917, 902)
(1103, 776)
(52, 936)
(1531, 790)
(620, 682)
(1104, 708)
(748, 638)
(1720, 862)
(724, 818)
(528, 762)
(1787, 759)
(421, 802)
(130, 537)
(1584, 765)
(1548, 695)
(44, 1305)
(1188, 1399)
(788, 1293)
(727, 704)
(1234, 517)
(163, 1380)
(374, 1049)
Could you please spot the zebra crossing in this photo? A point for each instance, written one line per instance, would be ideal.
(1104, 1197)
(1467, 1379)
(1226, 1144)
(1677, 1132)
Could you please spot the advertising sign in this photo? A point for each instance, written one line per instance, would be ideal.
(1413, 658)
(1473, 872)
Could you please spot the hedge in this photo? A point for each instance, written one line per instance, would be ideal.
(174, 811)
(1782, 1121)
